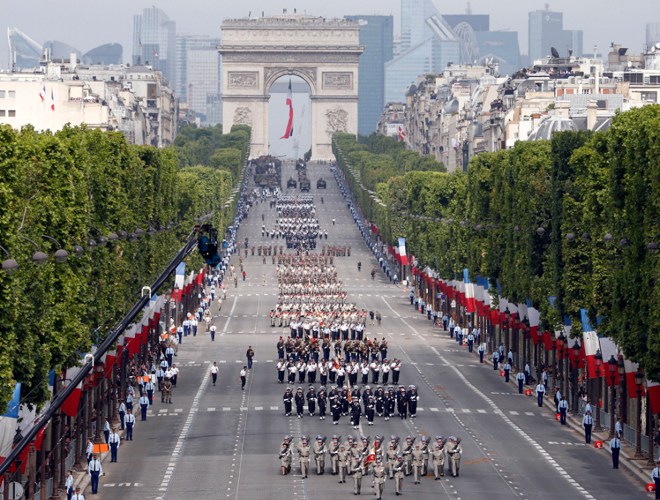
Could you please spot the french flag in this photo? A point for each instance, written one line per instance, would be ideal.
(402, 252)
(52, 100)
(42, 93)
(289, 102)
(590, 342)
(9, 423)
(654, 395)
(470, 300)
(72, 402)
(631, 369)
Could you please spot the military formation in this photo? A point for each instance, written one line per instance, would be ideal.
(296, 223)
(362, 457)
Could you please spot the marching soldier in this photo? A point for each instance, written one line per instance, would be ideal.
(286, 455)
(392, 454)
(311, 401)
(319, 454)
(379, 478)
(417, 462)
(322, 400)
(412, 398)
(357, 471)
(425, 455)
(334, 454)
(303, 454)
(454, 452)
(407, 454)
(398, 475)
(287, 398)
(342, 462)
(299, 399)
(439, 458)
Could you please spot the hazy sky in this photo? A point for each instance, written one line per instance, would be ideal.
(88, 23)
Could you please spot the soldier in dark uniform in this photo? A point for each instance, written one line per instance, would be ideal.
(412, 397)
(402, 402)
(311, 401)
(322, 400)
(299, 399)
(287, 398)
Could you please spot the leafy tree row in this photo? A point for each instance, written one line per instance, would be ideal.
(69, 188)
(567, 224)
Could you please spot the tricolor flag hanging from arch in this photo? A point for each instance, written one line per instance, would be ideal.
(289, 102)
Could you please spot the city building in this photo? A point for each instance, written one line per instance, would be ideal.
(427, 45)
(377, 38)
(546, 30)
(133, 100)
(154, 42)
(198, 76)
(108, 53)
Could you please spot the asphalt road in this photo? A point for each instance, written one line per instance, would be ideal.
(222, 442)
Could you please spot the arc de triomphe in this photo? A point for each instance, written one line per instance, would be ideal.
(324, 53)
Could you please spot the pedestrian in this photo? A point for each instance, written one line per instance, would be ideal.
(563, 410)
(130, 422)
(540, 392)
(68, 485)
(89, 450)
(615, 449)
(249, 354)
(618, 428)
(507, 371)
(95, 470)
(78, 495)
(214, 373)
(114, 444)
(587, 423)
(520, 378)
(144, 404)
(528, 373)
(122, 413)
(655, 477)
(243, 377)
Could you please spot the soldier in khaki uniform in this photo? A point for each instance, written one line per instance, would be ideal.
(342, 462)
(358, 472)
(417, 462)
(379, 478)
(166, 391)
(334, 454)
(319, 454)
(425, 455)
(286, 455)
(398, 475)
(439, 458)
(392, 452)
(407, 455)
(454, 452)
(303, 453)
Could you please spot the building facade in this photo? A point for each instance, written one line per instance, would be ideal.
(377, 38)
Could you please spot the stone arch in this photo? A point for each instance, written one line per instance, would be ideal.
(323, 53)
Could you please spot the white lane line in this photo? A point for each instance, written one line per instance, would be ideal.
(231, 314)
(194, 407)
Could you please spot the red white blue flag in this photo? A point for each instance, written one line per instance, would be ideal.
(289, 126)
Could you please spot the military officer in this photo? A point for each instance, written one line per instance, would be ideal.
(342, 462)
(454, 451)
(287, 398)
(358, 471)
(391, 454)
(407, 455)
(398, 475)
(286, 455)
(425, 455)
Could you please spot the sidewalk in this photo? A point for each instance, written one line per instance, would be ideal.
(638, 468)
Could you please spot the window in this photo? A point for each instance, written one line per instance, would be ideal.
(11, 113)
(2, 94)
(2, 112)
(12, 94)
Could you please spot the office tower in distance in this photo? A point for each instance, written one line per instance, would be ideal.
(154, 42)
(108, 53)
(546, 30)
(652, 34)
(377, 38)
(427, 45)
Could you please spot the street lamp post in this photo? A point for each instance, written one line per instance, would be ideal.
(599, 363)
(576, 366)
(612, 369)
(623, 399)
(639, 379)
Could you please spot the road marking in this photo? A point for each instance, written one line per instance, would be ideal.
(512, 412)
(529, 413)
(434, 409)
(194, 407)
(210, 409)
